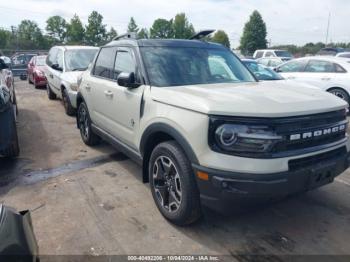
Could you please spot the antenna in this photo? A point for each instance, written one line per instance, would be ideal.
(202, 34)
(130, 35)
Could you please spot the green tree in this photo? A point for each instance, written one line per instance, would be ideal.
(75, 31)
(182, 28)
(95, 30)
(56, 27)
(254, 34)
(221, 37)
(29, 35)
(5, 37)
(143, 34)
(111, 34)
(162, 28)
(132, 26)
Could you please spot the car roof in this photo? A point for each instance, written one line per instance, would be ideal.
(74, 47)
(166, 43)
(270, 50)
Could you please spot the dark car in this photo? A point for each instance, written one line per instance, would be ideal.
(9, 146)
(331, 51)
(17, 239)
(20, 63)
(261, 72)
(35, 71)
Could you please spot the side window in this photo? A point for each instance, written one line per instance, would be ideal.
(318, 66)
(124, 63)
(339, 69)
(51, 58)
(269, 54)
(264, 61)
(292, 66)
(59, 59)
(259, 54)
(105, 62)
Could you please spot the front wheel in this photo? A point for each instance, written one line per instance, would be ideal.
(84, 124)
(13, 150)
(69, 109)
(340, 93)
(51, 95)
(173, 185)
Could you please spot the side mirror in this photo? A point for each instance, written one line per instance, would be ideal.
(56, 67)
(3, 65)
(276, 69)
(127, 80)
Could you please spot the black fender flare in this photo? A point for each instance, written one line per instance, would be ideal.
(169, 130)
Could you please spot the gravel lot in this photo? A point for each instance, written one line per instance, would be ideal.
(93, 201)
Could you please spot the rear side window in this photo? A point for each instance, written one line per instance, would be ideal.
(269, 54)
(318, 66)
(259, 54)
(293, 66)
(124, 63)
(339, 69)
(104, 65)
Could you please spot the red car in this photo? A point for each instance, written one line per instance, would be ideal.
(35, 71)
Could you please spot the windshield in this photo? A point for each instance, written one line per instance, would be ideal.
(79, 59)
(283, 54)
(40, 60)
(177, 66)
(262, 73)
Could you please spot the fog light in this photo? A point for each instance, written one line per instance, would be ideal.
(224, 184)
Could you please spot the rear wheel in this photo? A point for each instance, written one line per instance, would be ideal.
(341, 93)
(51, 95)
(173, 185)
(84, 124)
(67, 104)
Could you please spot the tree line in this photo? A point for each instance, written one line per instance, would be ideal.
(28, 35)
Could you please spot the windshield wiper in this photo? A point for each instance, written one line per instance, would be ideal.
(79, 69)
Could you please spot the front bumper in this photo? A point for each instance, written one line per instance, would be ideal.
(6, 128)
(72, 97)
(224, 188)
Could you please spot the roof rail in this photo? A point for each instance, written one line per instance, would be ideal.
(130, 35)
(202, 34)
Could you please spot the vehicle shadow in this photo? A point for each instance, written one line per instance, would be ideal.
(32, 137)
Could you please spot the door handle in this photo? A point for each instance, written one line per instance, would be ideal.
(51, 75)
(326, 78)
(109, 94)
(291, 77)
(87, 87)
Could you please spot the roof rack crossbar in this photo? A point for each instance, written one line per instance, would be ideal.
(202, 34)
(130, 35)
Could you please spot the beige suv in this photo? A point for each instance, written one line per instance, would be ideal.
(204, 130)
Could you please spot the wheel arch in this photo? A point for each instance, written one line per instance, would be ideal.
(157, 133)
(338, 87)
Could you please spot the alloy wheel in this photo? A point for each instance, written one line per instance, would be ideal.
(167, 184)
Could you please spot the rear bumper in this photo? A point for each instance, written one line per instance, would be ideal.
(224, 188)
(6, 128)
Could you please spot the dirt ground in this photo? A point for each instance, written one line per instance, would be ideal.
(92, 201)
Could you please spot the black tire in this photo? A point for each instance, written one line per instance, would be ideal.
(185, 208)
(15, 102)
(84, 124)
(341, 93)
(69, 109)
(51, 95)
(13, 150)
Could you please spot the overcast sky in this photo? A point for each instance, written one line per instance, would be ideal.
(288, 21)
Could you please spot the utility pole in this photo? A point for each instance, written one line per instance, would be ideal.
(329, 20)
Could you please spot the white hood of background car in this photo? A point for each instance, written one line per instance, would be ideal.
(71, 77)
(259, 99)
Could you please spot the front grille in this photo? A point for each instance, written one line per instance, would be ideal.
(305, 162)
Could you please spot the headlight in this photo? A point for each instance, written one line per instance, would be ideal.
(40, 73)
(242, 139)
(74, 87)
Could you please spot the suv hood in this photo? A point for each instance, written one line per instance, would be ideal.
(257, 99)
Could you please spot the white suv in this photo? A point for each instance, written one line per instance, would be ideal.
(282, 54)
(204, 130)
(64, 66)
